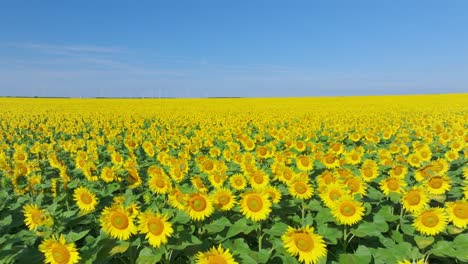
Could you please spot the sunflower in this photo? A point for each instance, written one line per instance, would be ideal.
(134, 178)
(274, 193)
(217, 179)
(216, 255)
(398, 171)
(255, 205)
(430, 221)
(198, 183)
(199, 206)
(451, 155)
(405, 261)
(414, 160)
(208, 166)
(300, 189)
(392, 184)
(304, 242)
(356, 185)
(85, 199)
(108, 174)
(57, 251)
(20, 155)
(259, 179)
(332, 193)
(156, 227)
(369, 172)
(158, 181)
(286, 175)
(458, 213)
(304, 163)
(353, 157)
(35, 217)
(348, 211)
(438, 184)
(176, 199)
(224, 199)
(327, 177)
(238, 181)
(415, 199)
(330, 161)
(118, 222)
(117, 158)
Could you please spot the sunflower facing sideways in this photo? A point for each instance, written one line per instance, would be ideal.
(57, 251)
(304, 242)
(430, 221)
(347, 211)
(458, 213)
(216, 255)
(156, 227)
(85, 200)
(118, 222)
(255, 205)
(35, 217)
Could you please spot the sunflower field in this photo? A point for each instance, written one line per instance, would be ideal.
(292, 180)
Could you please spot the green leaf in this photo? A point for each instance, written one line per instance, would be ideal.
(397, 236)
(277, 229)
(361, 256)
(240, 226)
(121, 247)
(366, 229)
(149, 256)
(69, 214)
(395, 197)
(407, 229)
(6, 221)
(324, 216)
(461, 244)
(453, 230)
(443, 249)
(380, 223)
(217, 225)
(423, 241)
(73, 236)
(329, 233)
(181, 218)
(184, 241)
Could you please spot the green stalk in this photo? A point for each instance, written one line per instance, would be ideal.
(260, 236)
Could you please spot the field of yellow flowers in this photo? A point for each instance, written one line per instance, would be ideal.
(292, 180)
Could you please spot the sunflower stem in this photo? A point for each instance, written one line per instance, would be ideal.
(260, 236)
(303, 212)
(345, 238)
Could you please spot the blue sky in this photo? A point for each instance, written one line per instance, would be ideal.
(232, 48)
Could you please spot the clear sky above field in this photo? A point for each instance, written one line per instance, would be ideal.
(232, 48)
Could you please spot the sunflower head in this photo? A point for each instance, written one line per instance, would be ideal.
(347, 211)
(199, 206)
(118, 222)
(85, 200)
(224, 199)
(300, 189)
(216, 255)
(255, 205)
(304, 242)
(58, 251)
(156, 227)
(430, 221)
(35, 217)
(458, 213)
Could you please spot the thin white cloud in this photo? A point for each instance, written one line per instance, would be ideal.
(66, 48)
